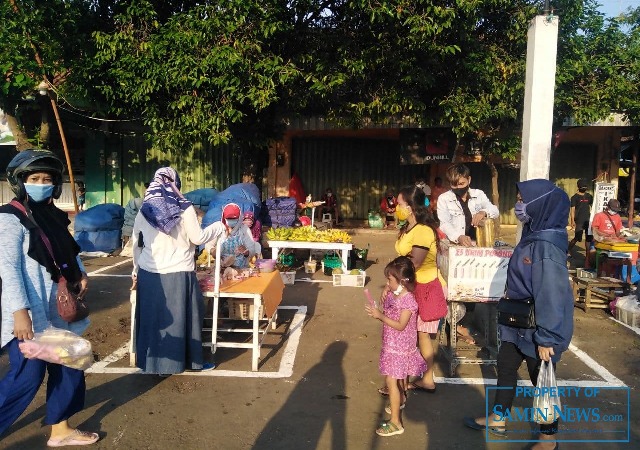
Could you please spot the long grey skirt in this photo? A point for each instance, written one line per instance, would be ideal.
(169, 315)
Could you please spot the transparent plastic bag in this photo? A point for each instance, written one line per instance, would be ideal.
(59, 346)
(546, 404)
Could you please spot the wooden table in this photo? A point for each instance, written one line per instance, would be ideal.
(343, 248)
(449, 341)
(595, 292)
(265, 291)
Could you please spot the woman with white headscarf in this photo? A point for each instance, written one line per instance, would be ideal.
(169, 308)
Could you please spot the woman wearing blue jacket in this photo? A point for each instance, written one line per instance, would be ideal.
(536, 270)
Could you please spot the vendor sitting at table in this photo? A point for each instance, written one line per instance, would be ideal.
(238, 247)
(607, 224)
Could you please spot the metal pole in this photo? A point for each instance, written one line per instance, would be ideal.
(632, 174)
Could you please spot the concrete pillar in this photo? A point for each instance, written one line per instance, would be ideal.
(542, 44)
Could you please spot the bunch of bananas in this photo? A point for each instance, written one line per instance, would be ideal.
(203, 259)
(307, 234)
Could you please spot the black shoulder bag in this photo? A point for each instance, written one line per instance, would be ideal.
(517, 313)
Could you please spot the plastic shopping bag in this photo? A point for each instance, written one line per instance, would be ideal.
(59, 347)
(546, 404)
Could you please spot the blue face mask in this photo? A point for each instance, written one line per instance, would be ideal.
(231, 223)
(39, 192)
(520, 209)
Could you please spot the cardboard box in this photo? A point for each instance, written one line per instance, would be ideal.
(344, 279)
(242, 309)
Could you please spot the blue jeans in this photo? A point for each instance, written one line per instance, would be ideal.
(65, 388)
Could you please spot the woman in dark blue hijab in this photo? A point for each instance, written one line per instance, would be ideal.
(536, 270)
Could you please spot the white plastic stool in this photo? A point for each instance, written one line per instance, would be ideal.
(326, 218)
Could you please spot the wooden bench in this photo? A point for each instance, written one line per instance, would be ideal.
(596, 292)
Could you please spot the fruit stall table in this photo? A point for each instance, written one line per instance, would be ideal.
(616, 255)
(343, 248)
(265, 292)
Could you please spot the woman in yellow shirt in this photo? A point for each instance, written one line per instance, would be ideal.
(418, 240)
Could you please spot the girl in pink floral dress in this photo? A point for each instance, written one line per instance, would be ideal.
(399, 357)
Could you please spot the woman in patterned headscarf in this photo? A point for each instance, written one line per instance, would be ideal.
(169, 309)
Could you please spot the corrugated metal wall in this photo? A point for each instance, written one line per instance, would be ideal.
(361, 170)
(203, 166)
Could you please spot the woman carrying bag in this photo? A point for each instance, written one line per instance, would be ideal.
(538, 272)
(36, 252)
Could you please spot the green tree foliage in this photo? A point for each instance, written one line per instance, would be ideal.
(213, 70)
(598, 64)
(59, 32)
(196, 75)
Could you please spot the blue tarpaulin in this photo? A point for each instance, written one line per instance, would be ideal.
(201, 197)
(245, 195)
(98, 229)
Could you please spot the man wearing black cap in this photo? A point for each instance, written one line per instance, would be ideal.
(607, 224)
(580, 211)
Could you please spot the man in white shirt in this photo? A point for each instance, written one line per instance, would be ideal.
(462, 209)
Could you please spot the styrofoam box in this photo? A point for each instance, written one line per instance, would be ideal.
(630, 317)
(310, 266)
(288, 277)
(343, 279)
(585, 273)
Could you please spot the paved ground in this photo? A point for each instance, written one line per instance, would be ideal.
(330, 400)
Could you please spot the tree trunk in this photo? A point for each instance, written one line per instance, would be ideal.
(22, 143)
(495, 194)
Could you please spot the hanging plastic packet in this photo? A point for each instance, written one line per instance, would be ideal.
(59, 346)
(546, 404)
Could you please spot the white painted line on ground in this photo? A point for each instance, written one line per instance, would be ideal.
(105, 268)
(493, 382)
(295, 331)
(636, 330)
(106, 275)
(609, 379)
(597, 368)
(285, 369)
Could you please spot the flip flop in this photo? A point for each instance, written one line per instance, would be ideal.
(74, 439)
(466, 338)
(496, 431)
(415, 387)
(383, 391)
(389, 429)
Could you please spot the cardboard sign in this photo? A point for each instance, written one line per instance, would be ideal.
(601, 195)
(477, 272)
